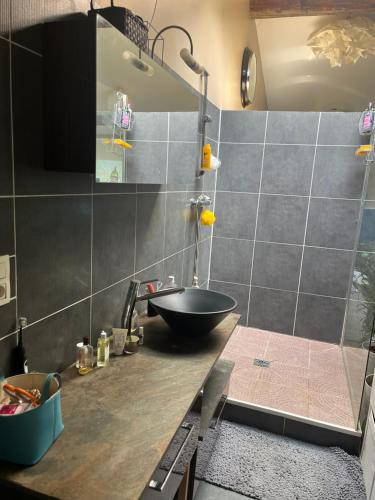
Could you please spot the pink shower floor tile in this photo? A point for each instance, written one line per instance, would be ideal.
(305, 377)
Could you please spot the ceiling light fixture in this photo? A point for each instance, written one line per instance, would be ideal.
(344, 41)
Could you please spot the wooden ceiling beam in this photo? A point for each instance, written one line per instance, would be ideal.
(263, 9)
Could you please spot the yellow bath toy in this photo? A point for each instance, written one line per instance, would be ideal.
(118, 142)
(364, 150)
(207, 218)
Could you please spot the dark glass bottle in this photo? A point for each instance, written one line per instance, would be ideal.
(19, 361)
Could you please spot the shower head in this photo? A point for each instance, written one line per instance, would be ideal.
(193, 64)
(138, 63)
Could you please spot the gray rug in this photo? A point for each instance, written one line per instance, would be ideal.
(266, 466)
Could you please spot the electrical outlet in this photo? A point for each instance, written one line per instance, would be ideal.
(4, 280)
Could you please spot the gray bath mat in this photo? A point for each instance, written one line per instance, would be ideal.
(266, 466)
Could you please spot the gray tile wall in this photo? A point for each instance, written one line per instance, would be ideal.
(287, 206)
(75, 244)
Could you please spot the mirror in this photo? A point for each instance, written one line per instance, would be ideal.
(141, 108)
(248, 77)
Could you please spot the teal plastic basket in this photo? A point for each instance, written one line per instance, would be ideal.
(26, 437)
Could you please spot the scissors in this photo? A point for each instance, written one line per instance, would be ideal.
(27, 396)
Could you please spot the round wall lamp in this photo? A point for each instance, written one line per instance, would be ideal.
(248, 77)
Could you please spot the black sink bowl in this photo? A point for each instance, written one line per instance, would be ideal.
(194, 311)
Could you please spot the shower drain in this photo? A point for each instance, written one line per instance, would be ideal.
(262, 363)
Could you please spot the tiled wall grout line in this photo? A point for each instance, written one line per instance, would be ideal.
(99, 291)
(13, 174)
(135, 230)
(292, 144)
(256, 218)
(166, 195)
(288, 291)
(307, 220)
(91, 255)
(26, 48)
(291, 195)
(289, 244)
(214, 202)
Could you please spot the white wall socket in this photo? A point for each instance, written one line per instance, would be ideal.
(4, 280)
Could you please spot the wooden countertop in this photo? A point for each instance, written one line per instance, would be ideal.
(120, 420)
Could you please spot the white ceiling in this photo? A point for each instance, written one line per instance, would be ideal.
(296, 80)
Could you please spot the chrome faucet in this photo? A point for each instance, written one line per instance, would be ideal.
(132, 298)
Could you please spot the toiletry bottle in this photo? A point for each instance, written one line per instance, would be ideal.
(141, 335)
(103, 350)
(85, 356)
(195, 282)
(19, 354)
(206, 157)
(114, 175)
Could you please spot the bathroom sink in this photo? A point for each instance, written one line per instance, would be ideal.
(194, 311)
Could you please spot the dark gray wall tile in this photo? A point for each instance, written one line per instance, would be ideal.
(367, 232)
(338, 173)
(51, 344)
(241, 167)
(53, 253)
(6, 359)
(225, 251)
(330, 313)
(6, 226)
(31, 177)
(149, 127)
(172, 266)
(183, 162)
(204, 261)
(6, 184)
(243, 126)
(332, 223)
(107, 307)
(235, 215)
(114, 188)
(184, 126)
(209, 180)
(176, 214)
(272, 310)
(147, 162)
(326, 272)
(370, 192)
(282, 219)
(292, 127)
(212, 128)
(113, 239)
(287, 169)
(8, 323)
(340, 128)
(276, 266)
(239, 292)
(188, 266)
(149, 229)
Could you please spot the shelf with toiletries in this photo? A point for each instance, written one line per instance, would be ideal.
(112, 110)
